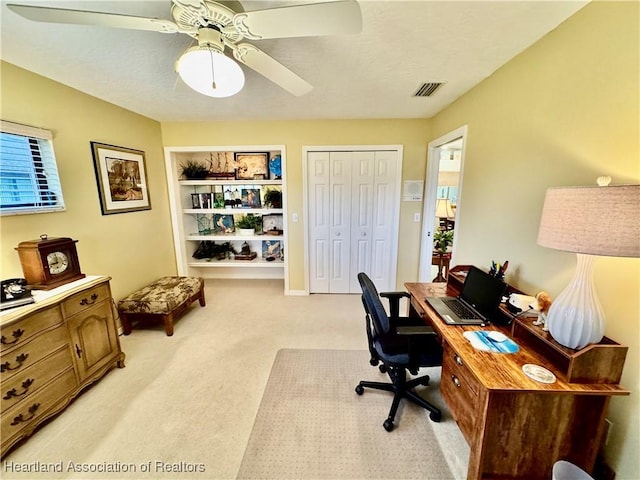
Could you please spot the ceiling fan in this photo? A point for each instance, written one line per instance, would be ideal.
(220, 26)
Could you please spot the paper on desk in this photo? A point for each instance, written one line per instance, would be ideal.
(480, 341)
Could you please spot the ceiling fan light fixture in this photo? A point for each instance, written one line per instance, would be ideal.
(210, 72)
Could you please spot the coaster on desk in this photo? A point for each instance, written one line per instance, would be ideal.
(538, 373)
(480, 340)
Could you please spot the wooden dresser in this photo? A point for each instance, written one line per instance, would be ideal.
(516, 427)
(51, 350)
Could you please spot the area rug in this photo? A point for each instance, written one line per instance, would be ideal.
(312, 425)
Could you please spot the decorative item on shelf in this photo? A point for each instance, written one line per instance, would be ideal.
(498, 270)
(245, 253)
(223, 223)
(221, 165)
(208, 250)
(49, 262)
(251, 164)
(206, 200)
(249, 224)
(272, 250)
(193, 170)
(251, 198)
(273, 224)
(273, 198)
(204, 224)
(543, 303)
(275, 167)
(590, 221)
(195, 200)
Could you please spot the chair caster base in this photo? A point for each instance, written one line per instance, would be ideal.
(435, 416)
(359, 389)
(388, 425)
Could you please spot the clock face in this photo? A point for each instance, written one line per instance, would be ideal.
(58, 263)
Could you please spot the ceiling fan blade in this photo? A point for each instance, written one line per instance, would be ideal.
(270, 68)
(83, 17)
(316, 19)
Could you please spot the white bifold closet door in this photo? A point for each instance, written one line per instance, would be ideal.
(353, 200)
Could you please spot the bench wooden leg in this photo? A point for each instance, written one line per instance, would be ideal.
(203, 303)
(168, 324)
(126, 323)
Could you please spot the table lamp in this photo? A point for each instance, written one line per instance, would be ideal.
(590, 221)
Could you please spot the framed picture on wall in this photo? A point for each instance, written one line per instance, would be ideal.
(122, 179)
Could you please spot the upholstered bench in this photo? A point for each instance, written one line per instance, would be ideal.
(165, 299)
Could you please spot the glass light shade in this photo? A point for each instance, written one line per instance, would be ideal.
(210, 73)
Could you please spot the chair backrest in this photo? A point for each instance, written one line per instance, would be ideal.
(373, 305)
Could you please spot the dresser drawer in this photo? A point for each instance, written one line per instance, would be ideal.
(83, 300)
(459, 389)
(32, 378)
(19, 332)
(16, 360)
(27, 413)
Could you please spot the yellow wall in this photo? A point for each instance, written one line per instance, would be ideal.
(133, 248)
(562, 113)
(412, 134)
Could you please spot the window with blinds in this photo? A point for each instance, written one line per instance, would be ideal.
(29, 181)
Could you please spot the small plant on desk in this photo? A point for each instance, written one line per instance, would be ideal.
(442, 240)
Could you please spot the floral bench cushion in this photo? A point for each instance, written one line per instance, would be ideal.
(161, 296)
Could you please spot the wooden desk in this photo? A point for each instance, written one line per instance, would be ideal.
(516, 427)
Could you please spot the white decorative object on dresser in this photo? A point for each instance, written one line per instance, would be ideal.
(233, 191)
(53, 349)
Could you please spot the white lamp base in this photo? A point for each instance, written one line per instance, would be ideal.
(575, 318)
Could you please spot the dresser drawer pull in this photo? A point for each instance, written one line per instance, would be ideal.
(32, 412)
(94, 297)
(16, 336)
(457, 359)
(78, 351)
(25, 388)
(455, 381)
(20, 359)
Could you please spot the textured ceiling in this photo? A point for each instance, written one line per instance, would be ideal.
(373, 74)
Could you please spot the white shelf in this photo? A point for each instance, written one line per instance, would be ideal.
(230, 237)
(256, 263)
(196, 183)
(235, 211)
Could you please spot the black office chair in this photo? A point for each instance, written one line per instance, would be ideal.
(399, 344)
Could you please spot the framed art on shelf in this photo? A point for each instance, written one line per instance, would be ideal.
(122, 178)
(252, 166)
(272, 250)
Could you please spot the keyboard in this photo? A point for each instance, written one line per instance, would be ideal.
(460, 309)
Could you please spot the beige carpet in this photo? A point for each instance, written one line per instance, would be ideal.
(312, 424)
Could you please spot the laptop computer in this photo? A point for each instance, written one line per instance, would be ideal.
(480, 297)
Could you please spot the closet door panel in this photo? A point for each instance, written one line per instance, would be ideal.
(319, 221)
(362, 186)
(340, 231)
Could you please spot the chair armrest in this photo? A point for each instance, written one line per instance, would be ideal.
(394, 301)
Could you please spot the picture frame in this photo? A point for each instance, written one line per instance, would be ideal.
(273, 224)
(272, 250)
(252, 166)
(223, 223)
(122, 178)
(251, 198)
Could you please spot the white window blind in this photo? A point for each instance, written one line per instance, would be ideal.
(29, 181)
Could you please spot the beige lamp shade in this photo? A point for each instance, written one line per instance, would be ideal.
(592, 220)
(443, 208)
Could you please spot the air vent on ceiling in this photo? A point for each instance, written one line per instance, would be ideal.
(427, 89)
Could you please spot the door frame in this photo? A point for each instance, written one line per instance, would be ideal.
(430, 194)
(399, 149)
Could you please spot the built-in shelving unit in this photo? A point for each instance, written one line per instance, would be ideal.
(207, 211)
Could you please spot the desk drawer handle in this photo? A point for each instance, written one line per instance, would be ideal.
(16, 336)
(32, 413)
(455, 381)
(13, 392)
(20, 359)
(457, 359)
(94, 297)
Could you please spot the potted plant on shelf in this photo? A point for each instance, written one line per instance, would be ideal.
(248, 224)
(193, 170)
(273, 198)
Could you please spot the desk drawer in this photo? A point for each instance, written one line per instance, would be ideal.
(18, 359)
(460, 390)
(34, 377)
(86, 299)
(19, 332)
